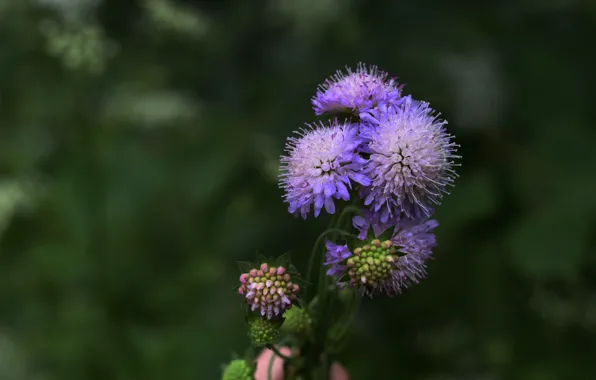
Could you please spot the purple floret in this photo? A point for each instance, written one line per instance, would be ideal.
(320, 166)
(356, 91)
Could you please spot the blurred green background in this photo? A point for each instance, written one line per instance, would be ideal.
(139, 145)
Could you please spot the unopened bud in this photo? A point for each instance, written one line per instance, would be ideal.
(263, 331)
(297, 322)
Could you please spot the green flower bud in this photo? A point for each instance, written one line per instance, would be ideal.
(238, 370)
(263, 331)
(297, 322)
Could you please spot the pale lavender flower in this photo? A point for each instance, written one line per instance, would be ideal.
(320, 166)
(387, 266)
(356, 91)
(411, 161)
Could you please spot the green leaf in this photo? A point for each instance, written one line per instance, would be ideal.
(550, 242)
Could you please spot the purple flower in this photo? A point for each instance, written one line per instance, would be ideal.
(335, 255)
(356, 92)
(387, 266)
(411, 161)
(370, 219)
(414, 241)
(319, 166)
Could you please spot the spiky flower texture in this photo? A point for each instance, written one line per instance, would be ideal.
(356, 91)
(411, 161)
(320, 167)
(268, 289)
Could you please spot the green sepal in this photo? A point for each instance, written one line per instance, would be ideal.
(245, 266)
(261, 258)
(285, 260)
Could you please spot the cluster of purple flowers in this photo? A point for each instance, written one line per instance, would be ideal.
(394, 156)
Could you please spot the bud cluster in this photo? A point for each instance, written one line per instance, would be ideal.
(263, 331)
(297, 321)
(372, 263)
(268, 289)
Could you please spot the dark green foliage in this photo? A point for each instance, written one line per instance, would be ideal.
(140, 164)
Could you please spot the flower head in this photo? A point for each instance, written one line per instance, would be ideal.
(391, 265)
(268, 289)
(356, 92)
(319, 167)
(411, 161)
(263, 331)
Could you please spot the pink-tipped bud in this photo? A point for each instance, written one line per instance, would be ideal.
(268, 290)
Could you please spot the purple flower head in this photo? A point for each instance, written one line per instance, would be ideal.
(414, 242)
(356, 92)
(319, 166)
(336, 254)
(411, 161)
(269, 290)
(387, 266)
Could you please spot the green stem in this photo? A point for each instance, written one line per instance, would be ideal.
(317, 360)
(348, 322)
(277, 352)
(346, 211)
(270, 367)
(336, 229)
(313, 253)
